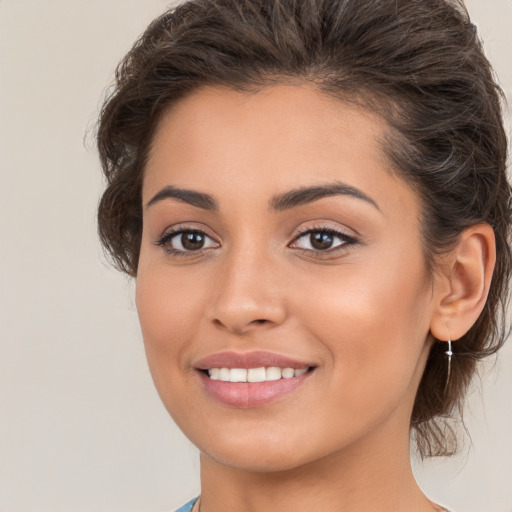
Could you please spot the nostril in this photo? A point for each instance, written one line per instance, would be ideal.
(235, 328)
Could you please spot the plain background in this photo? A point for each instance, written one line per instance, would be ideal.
(81, 426)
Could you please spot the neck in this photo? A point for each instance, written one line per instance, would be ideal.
(359, 479)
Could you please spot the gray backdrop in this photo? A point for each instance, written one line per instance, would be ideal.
(81, 427)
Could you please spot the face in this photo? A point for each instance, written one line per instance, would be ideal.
(275, 235)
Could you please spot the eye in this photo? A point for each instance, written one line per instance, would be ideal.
(182, 241)
(322, 240)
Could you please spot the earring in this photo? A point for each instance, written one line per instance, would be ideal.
(449, 353)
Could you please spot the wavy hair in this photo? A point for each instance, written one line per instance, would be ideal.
(418, 63)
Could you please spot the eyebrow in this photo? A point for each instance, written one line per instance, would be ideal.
(281, 202)
(204, 201)
(305, 195)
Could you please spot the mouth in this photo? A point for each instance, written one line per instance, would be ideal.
(261, 374)
(252, 379)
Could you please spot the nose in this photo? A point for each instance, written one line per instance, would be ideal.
(249, 293)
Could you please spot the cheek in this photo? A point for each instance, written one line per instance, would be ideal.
(169, 309)
(372, 320)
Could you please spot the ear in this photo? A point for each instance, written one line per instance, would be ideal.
(463, 282)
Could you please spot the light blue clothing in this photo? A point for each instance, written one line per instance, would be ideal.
(188, 506)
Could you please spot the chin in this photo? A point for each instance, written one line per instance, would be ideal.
(268, 452)
(253, 461)
(252, 452)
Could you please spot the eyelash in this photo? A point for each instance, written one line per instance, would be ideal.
(328, 230)
(164, 241)
(347, 240)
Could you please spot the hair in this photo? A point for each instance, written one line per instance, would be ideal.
(418, 63)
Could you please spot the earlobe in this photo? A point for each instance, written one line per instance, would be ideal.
(463, 283)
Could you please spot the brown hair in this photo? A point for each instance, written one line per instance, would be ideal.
(419, 63)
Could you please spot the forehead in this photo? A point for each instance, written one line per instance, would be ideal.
(280, 115)
(266, 141)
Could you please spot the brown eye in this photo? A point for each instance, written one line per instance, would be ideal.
(192, 241)
(181, 242)
(321, 240)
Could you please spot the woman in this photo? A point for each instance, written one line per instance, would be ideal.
(313, 199)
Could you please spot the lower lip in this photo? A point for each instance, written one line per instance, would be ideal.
(245, 395)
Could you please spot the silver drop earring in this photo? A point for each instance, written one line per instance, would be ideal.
(449, 353)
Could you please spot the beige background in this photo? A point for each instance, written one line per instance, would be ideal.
(81, 427)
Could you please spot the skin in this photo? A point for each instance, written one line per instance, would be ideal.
(363, 312)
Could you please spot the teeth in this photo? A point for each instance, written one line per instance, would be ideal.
(238, 375)
(273, 373)
(287, 373)
(254, 374)
(224, 374)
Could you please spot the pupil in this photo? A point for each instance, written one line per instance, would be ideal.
(321, 240)
(192, 241)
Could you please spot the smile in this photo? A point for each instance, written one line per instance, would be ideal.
(261, 374)
(252, 379)
(243, 394)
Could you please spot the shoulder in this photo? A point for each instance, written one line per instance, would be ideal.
(188, 506)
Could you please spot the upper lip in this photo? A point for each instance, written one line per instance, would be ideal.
(255, 359)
